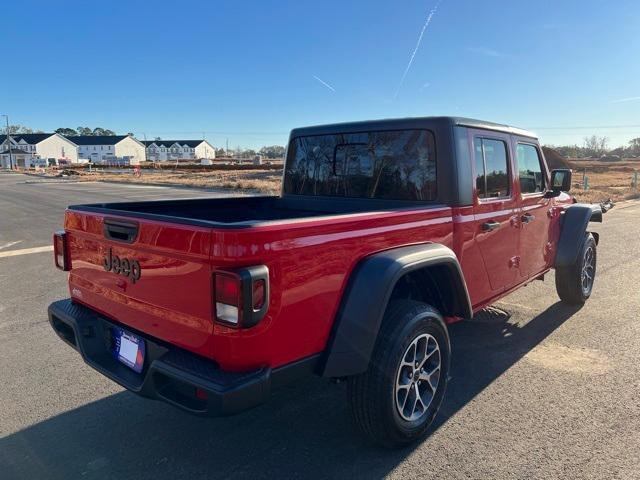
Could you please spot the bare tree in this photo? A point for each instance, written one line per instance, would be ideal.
(16, 129)
(634, 147)
(595, 146)
(604, 142)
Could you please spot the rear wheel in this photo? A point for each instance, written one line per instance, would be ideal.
(574, 283)
(397, 398)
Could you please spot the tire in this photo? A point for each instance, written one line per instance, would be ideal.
(375, 396)
(574, 283)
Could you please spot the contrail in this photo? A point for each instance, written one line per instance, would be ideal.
(324, 83)
(628, 99)
(424, 27)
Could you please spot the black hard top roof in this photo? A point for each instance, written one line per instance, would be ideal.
(410, 122)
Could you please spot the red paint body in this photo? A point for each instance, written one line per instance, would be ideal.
(309, 263)
(309, 260)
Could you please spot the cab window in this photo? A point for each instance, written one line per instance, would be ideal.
(492, 172)
(530, 169)
(390, 165)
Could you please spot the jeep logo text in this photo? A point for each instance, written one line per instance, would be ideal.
(122, 266)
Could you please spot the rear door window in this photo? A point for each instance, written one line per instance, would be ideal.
(391, 165)
(530, 169)
(492, 168)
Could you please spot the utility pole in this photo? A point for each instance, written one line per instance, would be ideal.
(227, 149)
(9, 143)
(145, 147)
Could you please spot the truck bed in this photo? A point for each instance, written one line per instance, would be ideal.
(179, 244)
(238, 211)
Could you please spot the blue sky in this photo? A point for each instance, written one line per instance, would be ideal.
(249, 70)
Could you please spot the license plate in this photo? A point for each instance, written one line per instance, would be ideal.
(128, 349)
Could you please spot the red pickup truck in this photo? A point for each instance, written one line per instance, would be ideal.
(385, 232)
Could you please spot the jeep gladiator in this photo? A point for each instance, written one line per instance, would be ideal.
(384, 233)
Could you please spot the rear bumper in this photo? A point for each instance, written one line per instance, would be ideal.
(169, 373)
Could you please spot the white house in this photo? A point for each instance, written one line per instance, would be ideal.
(110, 148)
(165, 150)
(31, 149)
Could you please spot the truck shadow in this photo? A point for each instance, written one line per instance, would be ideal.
(303, 431)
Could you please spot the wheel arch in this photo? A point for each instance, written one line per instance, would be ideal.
(431, 268)
(575, 220)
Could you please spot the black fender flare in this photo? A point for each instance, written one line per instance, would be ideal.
(365, 299)
(575, 220)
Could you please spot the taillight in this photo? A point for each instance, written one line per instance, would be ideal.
(228, 300)
(61, 251)
(259, 290)
(241, 296)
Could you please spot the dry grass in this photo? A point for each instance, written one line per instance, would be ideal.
(260, 181)
(606, 180)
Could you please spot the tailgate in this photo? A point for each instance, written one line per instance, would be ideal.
(152, 276)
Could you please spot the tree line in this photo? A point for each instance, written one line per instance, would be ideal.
(67, 132)
(271, 151)
(16, 129)
(594, 146)
(85, 131)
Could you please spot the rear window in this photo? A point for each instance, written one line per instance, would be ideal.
(390, 165)
(492, 174)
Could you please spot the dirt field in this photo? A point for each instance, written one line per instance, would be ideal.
(261, 181)
(606, 180)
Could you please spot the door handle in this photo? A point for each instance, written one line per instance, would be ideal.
(488, 226)
(527, 217)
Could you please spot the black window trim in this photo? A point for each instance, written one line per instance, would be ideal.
(484, 164)
(433, 201)
(542, 169)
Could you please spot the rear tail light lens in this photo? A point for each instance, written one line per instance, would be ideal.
(60, 251)
(227, 288)
(259, 291)
(227, 313)
(228, 299)
(241, 296)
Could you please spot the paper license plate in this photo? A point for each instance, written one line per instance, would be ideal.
(129, 349)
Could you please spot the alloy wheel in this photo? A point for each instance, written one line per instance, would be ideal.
(418, 377)
(588, 270)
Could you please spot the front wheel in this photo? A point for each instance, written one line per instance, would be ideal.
(574, 283)
(397, 398)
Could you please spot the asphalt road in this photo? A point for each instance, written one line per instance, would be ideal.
(538, 389)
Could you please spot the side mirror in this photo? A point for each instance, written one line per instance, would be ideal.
(560, 182)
